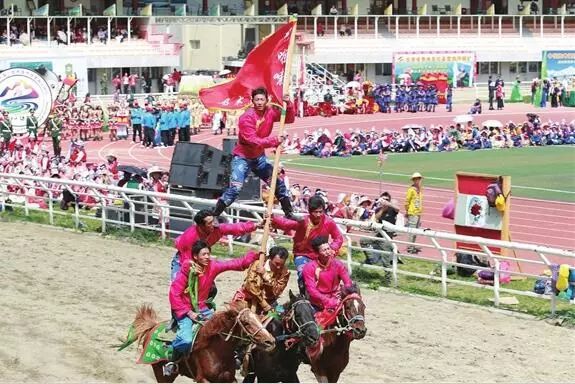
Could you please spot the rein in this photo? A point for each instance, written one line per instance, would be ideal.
(291, 318)
(251, 337)
(340, 328)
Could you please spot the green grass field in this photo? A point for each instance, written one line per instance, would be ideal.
(536, 172)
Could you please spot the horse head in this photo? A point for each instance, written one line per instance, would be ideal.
(252, 328)
(353, 312)
(300, 320)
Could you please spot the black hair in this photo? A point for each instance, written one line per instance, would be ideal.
(198, 246)
(385, 194)
(317, 242)
(260, 91)
(315, 202)
(281, 252)
(201, 216)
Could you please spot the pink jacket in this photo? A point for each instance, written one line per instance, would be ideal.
(305, 231)
(323, 285)
(255, 129)
(186, 240)
(180, 299)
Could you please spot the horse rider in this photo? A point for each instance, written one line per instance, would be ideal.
(265, 282)
(189, 296)
(323, 276)
(208, 230)
(317, 223)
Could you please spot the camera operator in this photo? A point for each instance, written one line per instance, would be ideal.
(385, 209)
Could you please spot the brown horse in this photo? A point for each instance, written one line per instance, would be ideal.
(330, 361)
(212, 356)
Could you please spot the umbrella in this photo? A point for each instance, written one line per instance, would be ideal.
(132, 170)
(462, 119)
(353, 84)
(492, 123)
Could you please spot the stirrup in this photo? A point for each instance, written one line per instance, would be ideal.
(170, 368)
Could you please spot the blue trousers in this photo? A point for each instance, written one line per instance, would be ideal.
(187, 332)
(240, 169)
(300, 262)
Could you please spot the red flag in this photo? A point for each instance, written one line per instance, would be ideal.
(265, 66)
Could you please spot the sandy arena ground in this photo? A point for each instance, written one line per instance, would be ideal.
(67, 297)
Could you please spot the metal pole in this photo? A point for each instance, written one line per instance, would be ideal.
(89, 30)
(129, 29)
(48, 31)
(68, 34)
(28, 21)
(355, 26)
(109, 29)
(8, 42)
(376, 26)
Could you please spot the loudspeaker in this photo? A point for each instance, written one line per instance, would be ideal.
(181, 217)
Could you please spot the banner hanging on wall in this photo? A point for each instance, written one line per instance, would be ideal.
(454, 68)
(560, 64)
(23, 90)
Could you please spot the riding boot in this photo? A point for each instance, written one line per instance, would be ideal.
(288, 209)
(171, 366)
(301, 286)
(220, 207)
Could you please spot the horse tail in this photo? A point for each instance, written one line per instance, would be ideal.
(146, 319)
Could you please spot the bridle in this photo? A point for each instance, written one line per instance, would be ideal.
(291, 319)
(346, 325)
(354, 319)
(243, 329)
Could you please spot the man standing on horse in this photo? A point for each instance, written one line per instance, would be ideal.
(322, 277)
(255, 127)
(317, 223)
(265, 283)
(189, 296)
(206, 229)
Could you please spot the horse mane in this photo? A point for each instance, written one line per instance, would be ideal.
(353, 288)
(220, 321)
(146, 319)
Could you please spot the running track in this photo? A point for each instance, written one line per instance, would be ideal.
(532, 221)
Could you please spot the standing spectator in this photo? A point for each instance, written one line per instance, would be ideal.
(136, 119)
(387, 210)
(149, 123)
(499, 95)
(534, 85)
(117, 83)
(104, 84)
(126, 83)
(184, 124)
(132, 80)
(176, 78)
(491, 90)
(320, 29)
(414, 209)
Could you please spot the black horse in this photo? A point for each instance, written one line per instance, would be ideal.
(295, 331)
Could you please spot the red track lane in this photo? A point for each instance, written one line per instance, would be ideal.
(533, 221)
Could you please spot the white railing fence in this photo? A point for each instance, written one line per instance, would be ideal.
(135, 209)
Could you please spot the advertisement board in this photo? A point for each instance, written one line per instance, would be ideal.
(560, 64)
(454, 68)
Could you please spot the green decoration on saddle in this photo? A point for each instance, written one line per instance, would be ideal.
(129, 339)
(157, 347)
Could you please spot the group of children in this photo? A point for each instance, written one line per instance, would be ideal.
(415, 98)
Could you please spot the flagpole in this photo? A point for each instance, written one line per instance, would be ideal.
(270, 202)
